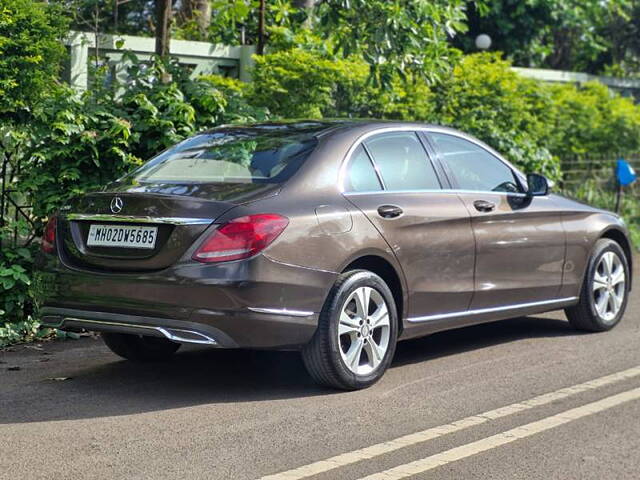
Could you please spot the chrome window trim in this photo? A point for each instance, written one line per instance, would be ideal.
(103, 217)
(376, 169)
(449, 191)
(481, 311)
(281, 311)
(445, 131)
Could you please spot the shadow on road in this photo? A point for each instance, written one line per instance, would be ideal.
(100, 385)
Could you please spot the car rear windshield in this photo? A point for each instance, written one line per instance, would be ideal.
(251, 155)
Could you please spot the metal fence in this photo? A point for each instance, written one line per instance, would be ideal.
(598, 170)
(13, 206)
(592, 179)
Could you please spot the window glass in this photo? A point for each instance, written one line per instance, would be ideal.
(473, 166)
(361, 176)
(236, 155)
(402, 162)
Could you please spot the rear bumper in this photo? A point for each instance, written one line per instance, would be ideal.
(257, 303)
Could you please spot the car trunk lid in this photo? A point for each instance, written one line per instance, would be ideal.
(177, 215)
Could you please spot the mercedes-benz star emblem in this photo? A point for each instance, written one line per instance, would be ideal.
(116, 205)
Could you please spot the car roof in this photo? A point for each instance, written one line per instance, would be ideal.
(321, 128)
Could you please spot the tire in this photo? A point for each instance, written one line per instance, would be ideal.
(603, 297)
(349, 355)
(139, 348)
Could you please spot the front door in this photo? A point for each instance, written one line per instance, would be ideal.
(427, 228)
(520, 242)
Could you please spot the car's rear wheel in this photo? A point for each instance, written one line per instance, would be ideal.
(605, 289)
(140, 348)
(357, 332)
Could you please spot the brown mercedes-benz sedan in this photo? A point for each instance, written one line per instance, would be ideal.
(336, 238)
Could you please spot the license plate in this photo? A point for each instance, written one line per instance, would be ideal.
(123, 236)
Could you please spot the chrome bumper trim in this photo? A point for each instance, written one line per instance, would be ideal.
(174, 334)
(100, 217)
(281, 311)
(442, 316)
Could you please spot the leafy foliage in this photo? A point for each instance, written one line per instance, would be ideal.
(592, 119)
(390, 35)
(562, 34)
(16, 319)
(298, 83)
(80, 143)
(30, 52)
(484, 97)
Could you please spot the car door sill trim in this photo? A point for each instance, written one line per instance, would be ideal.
(281, 311)
(481, 311)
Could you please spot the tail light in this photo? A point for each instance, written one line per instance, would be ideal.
(241, 237)
(48, 244)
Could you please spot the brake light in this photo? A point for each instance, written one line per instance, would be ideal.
(241, 237)
(48, 244)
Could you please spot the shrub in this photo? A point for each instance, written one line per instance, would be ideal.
(30, 52)
(80, 143)
(16, 319)
(299, 83)
(593, 119)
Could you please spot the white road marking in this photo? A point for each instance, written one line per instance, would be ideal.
(494, 441)
(434, 432)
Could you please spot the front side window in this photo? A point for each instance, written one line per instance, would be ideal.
(361, 176)
(474, 167)
(238, 155)
(402, 161)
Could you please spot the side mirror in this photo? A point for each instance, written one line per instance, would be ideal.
(537, 184)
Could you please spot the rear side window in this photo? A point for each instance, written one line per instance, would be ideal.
(474, 167)
(235, 156)
(361, 176)
(402, 161)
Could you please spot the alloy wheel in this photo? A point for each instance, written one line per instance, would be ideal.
(609, 286)
(363, 330)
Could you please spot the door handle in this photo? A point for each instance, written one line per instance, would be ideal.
(389, 211)
(484, 205)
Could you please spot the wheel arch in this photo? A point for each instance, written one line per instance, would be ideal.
(385, 270)
(621, 239)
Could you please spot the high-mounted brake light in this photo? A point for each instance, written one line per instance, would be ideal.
(48, 244)
(241, 237)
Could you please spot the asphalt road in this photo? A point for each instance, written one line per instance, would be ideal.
(74, 410)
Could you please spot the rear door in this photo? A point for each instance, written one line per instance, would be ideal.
(520, 243)
(392, 180)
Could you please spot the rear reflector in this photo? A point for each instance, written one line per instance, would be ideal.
(241, 237)
(48, 244)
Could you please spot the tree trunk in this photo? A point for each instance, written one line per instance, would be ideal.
(163, 21)
(261, 28)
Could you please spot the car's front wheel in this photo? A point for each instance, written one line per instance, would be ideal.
(357, 332)
(140, 348)
(605, 289)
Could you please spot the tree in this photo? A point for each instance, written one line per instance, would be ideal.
(31, 52)
(394, 36)
(558, 34)
(130, 17)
